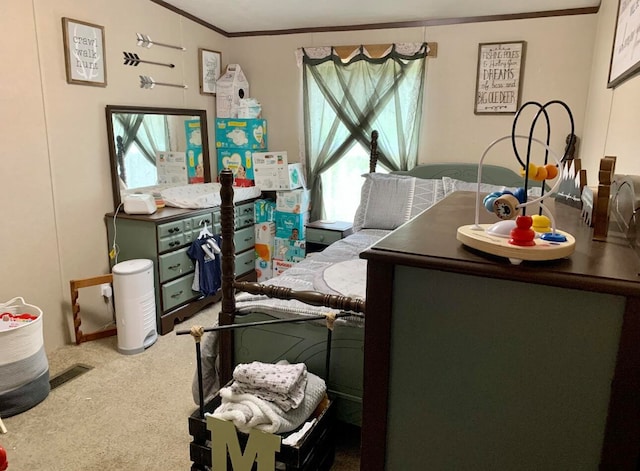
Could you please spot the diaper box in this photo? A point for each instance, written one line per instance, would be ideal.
(238, 160)
(280, 266)
(264, 210)
(231, 87)
(291, 225)
(264, 269)
(289, 250)
(293, 201)
(265, 234)
(239, 133)
(272, 172)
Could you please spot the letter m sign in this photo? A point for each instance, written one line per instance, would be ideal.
(261, 447)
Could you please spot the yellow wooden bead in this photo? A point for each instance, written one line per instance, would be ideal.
(541, 223)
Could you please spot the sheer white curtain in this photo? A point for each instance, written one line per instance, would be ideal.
(344, 100)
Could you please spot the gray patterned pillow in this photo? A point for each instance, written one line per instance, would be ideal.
(426, 193)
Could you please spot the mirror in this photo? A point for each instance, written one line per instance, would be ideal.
(151, 148)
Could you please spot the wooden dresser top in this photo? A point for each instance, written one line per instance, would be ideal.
(429, 241)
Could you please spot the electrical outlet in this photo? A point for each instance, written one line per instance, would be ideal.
(105, 289)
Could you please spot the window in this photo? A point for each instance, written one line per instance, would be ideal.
(344, 101)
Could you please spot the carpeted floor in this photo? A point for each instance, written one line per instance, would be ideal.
(129, 412)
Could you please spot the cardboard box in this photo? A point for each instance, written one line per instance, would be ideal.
(272, 172)
(289, 250)
(238, 160)
(264, 239)
(264, 269)
(264, 210)
(293, 201)
(238, 133)
(230, 88)
(280, 266)
(291, 225)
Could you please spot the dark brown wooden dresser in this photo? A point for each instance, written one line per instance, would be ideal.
(474, 363)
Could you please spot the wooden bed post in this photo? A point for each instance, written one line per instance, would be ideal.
(373, 155)
(228, 311)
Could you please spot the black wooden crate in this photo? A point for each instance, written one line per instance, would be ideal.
(315, 452)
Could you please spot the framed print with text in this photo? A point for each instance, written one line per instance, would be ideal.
(625, 54)
(500, 68)
(84, 51)
(209, 63)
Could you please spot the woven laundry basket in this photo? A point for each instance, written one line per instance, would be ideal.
(24, 368)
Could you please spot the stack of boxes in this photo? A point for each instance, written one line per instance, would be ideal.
(238, 133)
(292, 214)
(236, 140)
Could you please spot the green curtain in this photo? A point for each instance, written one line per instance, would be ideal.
(343, 102)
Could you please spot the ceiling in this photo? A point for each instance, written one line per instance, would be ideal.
(251, 17)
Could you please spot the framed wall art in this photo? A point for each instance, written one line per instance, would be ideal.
(625, 53)
(209, 63)
(499, 77)
(84, 53)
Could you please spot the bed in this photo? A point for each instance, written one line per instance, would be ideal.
(330, 281)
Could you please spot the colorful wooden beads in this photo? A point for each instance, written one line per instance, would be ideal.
(539, 173)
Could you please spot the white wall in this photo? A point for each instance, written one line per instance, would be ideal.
(557, 66)
(611, 126)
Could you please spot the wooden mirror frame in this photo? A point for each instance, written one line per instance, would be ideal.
(114, 109)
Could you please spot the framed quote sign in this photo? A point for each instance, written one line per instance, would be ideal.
(625, 55)
(84, 53)
(500, 67)
(209, 63)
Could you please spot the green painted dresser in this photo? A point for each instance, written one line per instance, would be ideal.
(164, 237)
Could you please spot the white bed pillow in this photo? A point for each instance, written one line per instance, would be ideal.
(385, 201)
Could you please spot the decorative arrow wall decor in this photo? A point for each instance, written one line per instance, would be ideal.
(145, 41)
(148, 83)
(131, 58)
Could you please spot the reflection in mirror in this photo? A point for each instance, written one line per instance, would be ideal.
(152, 148)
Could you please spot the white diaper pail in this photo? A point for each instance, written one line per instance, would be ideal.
(135, 304)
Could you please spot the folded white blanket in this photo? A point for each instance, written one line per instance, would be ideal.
(247, 411)
(281, 383)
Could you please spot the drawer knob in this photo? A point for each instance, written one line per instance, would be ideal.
(321, 238)
(177, 295)
(174, 267)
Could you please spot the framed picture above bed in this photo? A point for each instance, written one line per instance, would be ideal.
(499, 76)
(625, 54)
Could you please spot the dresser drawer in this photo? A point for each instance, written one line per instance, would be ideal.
(172, 242)
(198, 222)
(244, 239)
(245, 262)
(175, 264)
(243, 221)
(171, 229)
(177, 292)
(244, 210)
(322, 236)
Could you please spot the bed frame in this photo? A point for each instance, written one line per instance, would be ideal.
(310, 339)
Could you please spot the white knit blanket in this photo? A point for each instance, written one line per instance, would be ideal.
(247, 411)
(282, 384)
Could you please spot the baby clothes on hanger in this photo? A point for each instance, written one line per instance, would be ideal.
(208, 264)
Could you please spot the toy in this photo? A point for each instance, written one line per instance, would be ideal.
(3, 459)
(519, 236)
